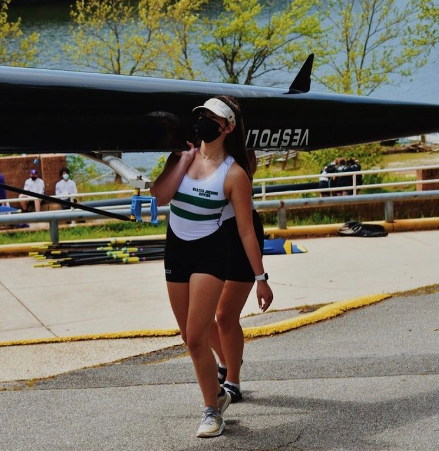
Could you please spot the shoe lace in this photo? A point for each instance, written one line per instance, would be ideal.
(209, 416)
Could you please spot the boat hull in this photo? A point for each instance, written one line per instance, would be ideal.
(47, 111)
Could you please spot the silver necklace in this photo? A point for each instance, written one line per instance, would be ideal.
(206, 157)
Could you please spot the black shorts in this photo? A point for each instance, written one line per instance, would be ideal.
(206, 255)
(239, 268)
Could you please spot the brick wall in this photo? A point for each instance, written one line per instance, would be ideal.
(16, 170)
(427, 174)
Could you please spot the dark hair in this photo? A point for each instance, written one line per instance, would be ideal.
(234, 144)
(62, 170)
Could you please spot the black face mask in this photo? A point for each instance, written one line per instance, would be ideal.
(33, 177)
(207, 129)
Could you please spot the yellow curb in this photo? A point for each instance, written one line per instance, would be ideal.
(323, 313)
(416, 224)
(400, 225)
(106, 336)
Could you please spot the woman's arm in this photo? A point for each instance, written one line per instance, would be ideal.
(239, 191)
(169, 180)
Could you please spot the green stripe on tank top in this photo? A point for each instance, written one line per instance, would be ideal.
(193, 216)
(200, 201)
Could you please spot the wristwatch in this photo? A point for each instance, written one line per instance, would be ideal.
(262, 277)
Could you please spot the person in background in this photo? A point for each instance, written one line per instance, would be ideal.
(34, 184)
(199, 183)
(354, 166)
(4, 204)
(2, 190)
(343, 181)
(325, 180)
(66, 187)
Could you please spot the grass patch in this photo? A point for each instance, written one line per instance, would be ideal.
(85, 232)
(317, 218)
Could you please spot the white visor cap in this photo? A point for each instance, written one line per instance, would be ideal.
(219, 108)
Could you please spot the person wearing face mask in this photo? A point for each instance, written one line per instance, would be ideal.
(33, 184)
(198, 183)
(65, 187)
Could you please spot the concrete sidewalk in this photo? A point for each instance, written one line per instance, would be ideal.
(100, 302)
(41, 303)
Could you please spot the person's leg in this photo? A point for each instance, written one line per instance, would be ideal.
(215, 343)
(37, 204)
(23, 203)
(194, 308)
(232, 301)
(204, 293)
(185, 309)
(179, 299)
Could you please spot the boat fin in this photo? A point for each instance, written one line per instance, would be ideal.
(302, 82)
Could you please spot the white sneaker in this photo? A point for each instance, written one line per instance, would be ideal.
(212, 423)
(224, 401)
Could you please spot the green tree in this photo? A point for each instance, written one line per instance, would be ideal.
(243, 45)
(127, 37)
(369, 155)
(180, 22)
(426, 30)
(108, 38)
(16, 49)
(158, 168)
(371, 43)
(80, 171)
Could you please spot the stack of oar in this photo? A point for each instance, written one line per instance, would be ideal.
(57, 255)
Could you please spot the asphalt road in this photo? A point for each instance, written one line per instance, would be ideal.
(366, 380)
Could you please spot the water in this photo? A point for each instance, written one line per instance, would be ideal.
(143, 161)
(52, 22)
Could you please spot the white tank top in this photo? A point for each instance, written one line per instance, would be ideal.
(229, 212)
(195, 210)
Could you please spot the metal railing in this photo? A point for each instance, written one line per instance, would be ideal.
(354, 187)
(387, 199)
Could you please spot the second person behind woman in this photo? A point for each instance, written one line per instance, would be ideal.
(227, 336)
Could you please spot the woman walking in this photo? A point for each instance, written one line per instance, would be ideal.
(199, 183)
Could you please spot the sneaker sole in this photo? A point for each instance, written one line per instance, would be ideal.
(212, 434)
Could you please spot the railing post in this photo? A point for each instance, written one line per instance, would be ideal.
(282, 216)
(54, 231)
(388, 211)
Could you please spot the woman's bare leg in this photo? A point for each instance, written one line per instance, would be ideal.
(195, 312)
(232, 301)
(215, 343)
(179, 298)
